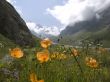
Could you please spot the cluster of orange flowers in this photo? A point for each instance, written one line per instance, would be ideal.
(33, 78)
(43, 56)
(91, 62)
(59, 56)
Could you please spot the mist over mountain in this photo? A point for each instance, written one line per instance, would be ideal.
(93, 24)
(92, 29)
(73, 11)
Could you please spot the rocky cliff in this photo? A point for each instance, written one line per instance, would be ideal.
(12, 26)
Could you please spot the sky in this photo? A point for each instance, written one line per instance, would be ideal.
(36, 10)
(57, 14)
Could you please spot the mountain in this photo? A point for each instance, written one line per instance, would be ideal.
(96, 29)
(13, 27)
(43, 31)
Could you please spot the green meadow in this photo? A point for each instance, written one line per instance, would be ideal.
(62, 65)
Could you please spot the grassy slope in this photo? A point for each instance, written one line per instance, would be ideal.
(83, 34)
(5, 44)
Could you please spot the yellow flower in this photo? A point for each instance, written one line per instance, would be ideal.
(75, 52)
(33, 78)
(46, 43)
(53, 56)
(43, 56)
(16, 53)
(64, 57)
(91, 62)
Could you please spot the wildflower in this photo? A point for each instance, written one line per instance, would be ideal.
(16, 53)
(75, 52)
(91, 62)
(63, 56)
(53, 56)
(43, 56)
(40, 81)
(46, 43)
(33, 78)
(102, 50)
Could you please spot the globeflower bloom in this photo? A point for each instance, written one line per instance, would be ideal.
(40, 81)
(75, 52)
(43, 56)
(102, 50)
(16, 53)
(91, 62)
(53, 56)
(46, 43)
(33, 78)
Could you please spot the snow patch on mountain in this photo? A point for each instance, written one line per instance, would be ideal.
(44, 31)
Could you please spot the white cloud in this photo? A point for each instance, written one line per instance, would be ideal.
(78, 10)
(43, 30)
(31, 25)
(11, 1)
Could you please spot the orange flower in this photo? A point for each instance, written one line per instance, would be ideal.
(40, 81)
(16, 53)
(33, 78)
(46, 43)
(102, 50)
(43, 56)
(75, 52)
(91, 62)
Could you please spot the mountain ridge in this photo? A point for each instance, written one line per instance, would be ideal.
(13, 27)
(91, 29)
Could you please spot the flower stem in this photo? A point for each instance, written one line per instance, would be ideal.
(77, 62)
